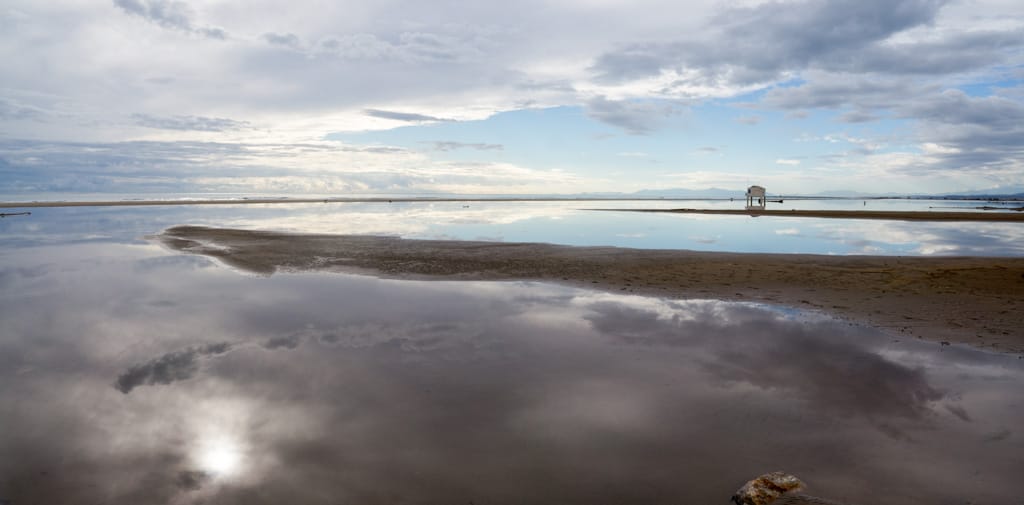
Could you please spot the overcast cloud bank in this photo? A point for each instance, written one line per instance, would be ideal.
(188, 96)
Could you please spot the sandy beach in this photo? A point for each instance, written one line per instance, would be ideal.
(969, 300)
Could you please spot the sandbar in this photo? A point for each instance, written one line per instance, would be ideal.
(971, 300)
(895, 215)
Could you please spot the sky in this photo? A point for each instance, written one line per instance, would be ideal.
(527, 97)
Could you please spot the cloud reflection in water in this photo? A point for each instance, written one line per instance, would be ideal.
(353, 389)
(551, 222)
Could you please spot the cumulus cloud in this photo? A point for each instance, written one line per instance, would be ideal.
(956, 130)
(973, 132)
(957, 108)
(955, 52)
(758, 44)
(169, 368)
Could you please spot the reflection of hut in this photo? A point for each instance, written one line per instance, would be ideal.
(755, 197)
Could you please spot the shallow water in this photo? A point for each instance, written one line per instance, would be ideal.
(551, 222)
(130, 374)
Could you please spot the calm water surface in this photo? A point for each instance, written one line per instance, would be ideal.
(552, 222)
(130, 374)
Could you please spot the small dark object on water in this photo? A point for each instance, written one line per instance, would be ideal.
(3, 214)
(944, 343)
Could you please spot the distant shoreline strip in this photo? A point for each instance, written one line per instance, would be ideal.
(893, 215)
(998, 216)
(253, 201)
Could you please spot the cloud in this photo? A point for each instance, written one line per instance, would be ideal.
(171, 367)
(955, 130)
(959, 412)
(635, 117)
(170, 14)
(999, 436)
(952, 53)
(312, 70)
(760, 44)
(774, 37)
(858, 116)
(417, 47)
(954, 107)
(361, 46)
(284, 342)
(430, 46)
(12, 110)
(832, 91)
(402, 116)
(192, 480)
(166, 13)
(525, 377)
(970, 133)
(452, 146)
(189, 123)
(832, 373)
(783, 161)
(282, 39)
(310, 167)
(212, 32)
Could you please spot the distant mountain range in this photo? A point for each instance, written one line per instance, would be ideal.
(999, 191)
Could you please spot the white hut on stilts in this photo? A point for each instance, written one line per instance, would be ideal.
(756, 198)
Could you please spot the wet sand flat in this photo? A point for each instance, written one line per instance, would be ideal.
(970, 300)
